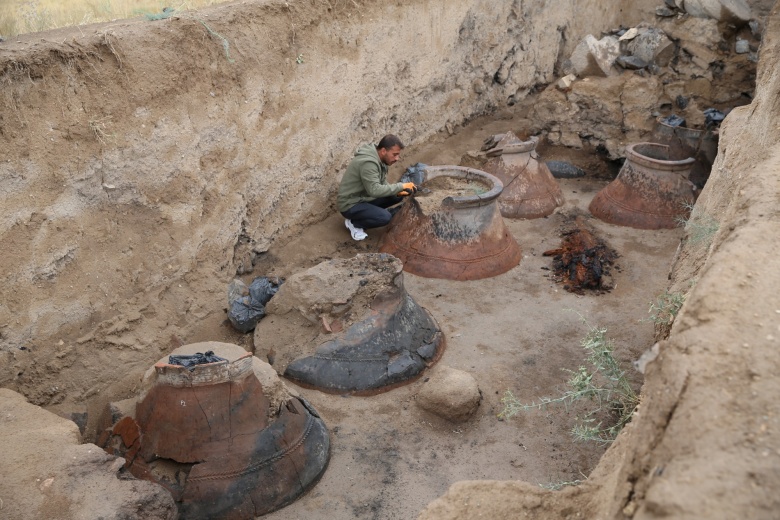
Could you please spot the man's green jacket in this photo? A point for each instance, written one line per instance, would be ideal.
(365, 179)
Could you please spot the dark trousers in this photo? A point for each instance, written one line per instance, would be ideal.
(369, 215)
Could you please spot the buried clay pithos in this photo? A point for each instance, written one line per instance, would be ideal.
(349, 326)
(225, 438)
(453, 228)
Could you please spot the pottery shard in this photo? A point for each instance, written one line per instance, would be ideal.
(594, 57)
(731, 11)
(565, 82)
(451, 394)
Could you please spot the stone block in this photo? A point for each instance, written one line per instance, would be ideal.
(653, 46)
(450, 393)
(594, 57)
(730, 11)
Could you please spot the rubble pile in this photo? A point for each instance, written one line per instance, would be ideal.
(693, 57)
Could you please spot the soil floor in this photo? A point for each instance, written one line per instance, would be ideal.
(518, 331)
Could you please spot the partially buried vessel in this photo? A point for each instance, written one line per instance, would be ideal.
(226, 438)
(452, 228)
(349, 326)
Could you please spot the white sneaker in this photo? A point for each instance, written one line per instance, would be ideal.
(357, 233)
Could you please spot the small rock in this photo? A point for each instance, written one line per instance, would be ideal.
(629, 34)
(631, 62)
(564, 170)
(742, 46)
(755, 29)
(664, 12)
(566, 82)
(671, 4)
(450, 393)
(681, 102)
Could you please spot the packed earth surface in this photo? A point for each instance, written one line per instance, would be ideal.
(147, 164)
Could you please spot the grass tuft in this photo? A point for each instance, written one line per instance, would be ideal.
(700, 227)
(605, 384)
(664, 309)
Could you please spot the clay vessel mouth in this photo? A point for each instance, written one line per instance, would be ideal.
(657, 156)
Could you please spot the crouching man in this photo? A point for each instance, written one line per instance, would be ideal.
(365, 198)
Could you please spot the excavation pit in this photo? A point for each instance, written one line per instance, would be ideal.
(126, 216)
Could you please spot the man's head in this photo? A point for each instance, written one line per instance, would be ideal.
(389, 149)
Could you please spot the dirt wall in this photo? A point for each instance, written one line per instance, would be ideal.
(703, 442)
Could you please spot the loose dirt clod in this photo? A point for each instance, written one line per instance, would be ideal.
(434, 191)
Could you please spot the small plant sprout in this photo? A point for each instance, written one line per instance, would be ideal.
(99, 129)
(555, 485)
(664, 309)
(700, 226)
(606, 385)
(299, 59)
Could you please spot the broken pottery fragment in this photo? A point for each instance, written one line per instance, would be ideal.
(530, 190)
(651, 191)
(452, 227)
(226, 439)
(348, 325)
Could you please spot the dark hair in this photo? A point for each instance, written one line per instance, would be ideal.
(389, 141)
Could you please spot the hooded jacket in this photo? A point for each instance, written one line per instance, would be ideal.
(365, 179)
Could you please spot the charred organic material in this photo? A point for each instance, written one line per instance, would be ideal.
(455, 237)
(583, 261)
(652, 190)
(530, 190)
(225, 438)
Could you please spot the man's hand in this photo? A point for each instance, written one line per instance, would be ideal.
(409, 187)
